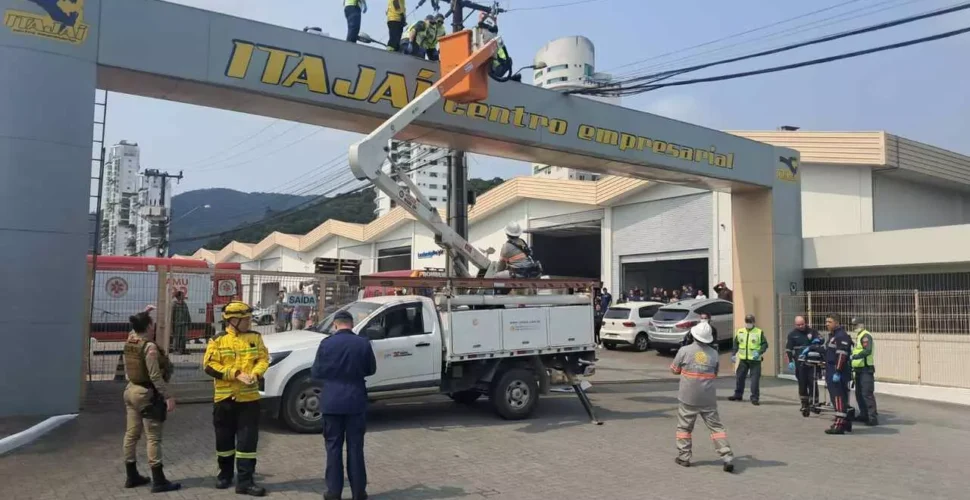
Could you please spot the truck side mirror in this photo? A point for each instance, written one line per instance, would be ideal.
(374, 332)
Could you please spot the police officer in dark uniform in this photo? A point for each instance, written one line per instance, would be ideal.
(798, 339)
(343, 361)
(838, 373)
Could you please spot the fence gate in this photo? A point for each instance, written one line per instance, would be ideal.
(920, 337)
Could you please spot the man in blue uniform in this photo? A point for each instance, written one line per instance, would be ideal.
(798, 339)
(838, 373)
(343, 360)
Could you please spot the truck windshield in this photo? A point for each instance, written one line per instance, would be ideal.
(670, 315)
(359, 310)
(617, 313)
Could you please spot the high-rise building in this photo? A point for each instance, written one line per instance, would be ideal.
(426, 167)
(155, 211)
(119, 195)
(134, 214)
(569, 64)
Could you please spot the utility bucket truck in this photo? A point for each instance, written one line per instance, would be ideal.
(462, 341)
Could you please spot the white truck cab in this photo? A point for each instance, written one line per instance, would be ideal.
(464, 351)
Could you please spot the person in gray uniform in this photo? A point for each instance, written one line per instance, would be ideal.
(697, 365)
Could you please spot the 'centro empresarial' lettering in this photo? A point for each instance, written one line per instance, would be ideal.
(624, 141)
(516, 116)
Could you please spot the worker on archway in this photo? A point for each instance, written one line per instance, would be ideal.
(416, 38)
(501, 66)
(436, 30)
(353, 10)
(236, 359)
(396, 20)
(515, 259)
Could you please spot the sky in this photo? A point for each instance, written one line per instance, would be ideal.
(917, 92)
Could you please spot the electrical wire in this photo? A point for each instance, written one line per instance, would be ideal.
(787, 32)
(649, 80)
(234, 146)
(277, 150)
(555, 6)
(254, 147)
(811, 62)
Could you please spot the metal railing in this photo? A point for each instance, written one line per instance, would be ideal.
(919, 337)
(122, 293)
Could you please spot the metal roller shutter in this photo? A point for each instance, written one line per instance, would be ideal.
(673, 226)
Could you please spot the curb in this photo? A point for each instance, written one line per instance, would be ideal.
(29, 435)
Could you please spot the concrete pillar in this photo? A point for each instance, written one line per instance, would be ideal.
(754, 274)
(48, 80)
(606, 250)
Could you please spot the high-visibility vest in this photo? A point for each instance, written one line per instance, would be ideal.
(356, 3)
(749, 342)
(395, 10)
(501, 55)
(432, 34)
(421, 30)
(857, 348)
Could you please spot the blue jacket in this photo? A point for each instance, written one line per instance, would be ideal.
(343, 360)
(837, 351)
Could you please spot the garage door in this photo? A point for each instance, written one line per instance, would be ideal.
(668, 229)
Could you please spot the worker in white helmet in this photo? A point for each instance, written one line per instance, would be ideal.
(515, 259)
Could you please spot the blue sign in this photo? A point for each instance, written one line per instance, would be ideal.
(430, 253)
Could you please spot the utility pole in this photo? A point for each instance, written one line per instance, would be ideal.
(457, 172)
(165, 216)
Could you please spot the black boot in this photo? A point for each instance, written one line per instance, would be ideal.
(134, 479)
(873, 421)
(159, 483)
(226, 471)
(251, 489)
(681, 462)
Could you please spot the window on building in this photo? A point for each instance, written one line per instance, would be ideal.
(588, 70)
(582, 177)
(432, 174)
(557, 67)
(556, 80)
(433, 186)
(432, 198)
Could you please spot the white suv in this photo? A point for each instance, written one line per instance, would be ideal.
(626, 324)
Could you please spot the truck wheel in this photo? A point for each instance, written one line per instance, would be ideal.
(300, 409)
(641, 343)
(515, 395)
(465, 397)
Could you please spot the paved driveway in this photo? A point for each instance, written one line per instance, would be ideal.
(434, 449)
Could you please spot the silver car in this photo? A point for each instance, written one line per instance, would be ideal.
(669, 326)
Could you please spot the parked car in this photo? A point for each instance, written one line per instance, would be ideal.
(669, 326)
(263, 316)
(626, 324)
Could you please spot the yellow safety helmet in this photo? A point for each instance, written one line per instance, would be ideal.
(237, 309)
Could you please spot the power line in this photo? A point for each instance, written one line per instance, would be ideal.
(811, 26)
(255, 146)
(812, 62)
(829, 38)
(234, 146)
(277, 150)
(736, 35)
(554, 6)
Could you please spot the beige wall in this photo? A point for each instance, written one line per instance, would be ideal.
(931, 359)
(753, 256)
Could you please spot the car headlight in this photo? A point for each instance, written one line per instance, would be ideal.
(276, 357)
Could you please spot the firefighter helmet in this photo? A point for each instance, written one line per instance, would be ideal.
(237, 309)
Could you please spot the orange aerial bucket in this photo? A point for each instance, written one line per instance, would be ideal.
(464, 73)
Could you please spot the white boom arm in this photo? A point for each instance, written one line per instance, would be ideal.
(368, 154)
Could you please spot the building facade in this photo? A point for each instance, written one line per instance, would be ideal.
(120, 199)
(878, 211)
(426, 167)
(135, 205)
(569, 64)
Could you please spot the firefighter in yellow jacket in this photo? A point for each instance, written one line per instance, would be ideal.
(237, 359)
